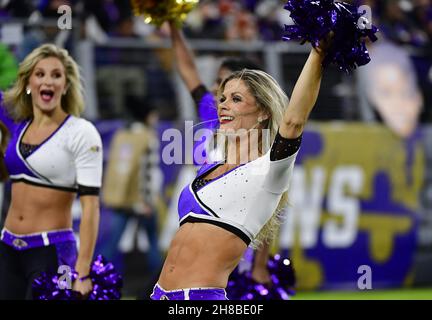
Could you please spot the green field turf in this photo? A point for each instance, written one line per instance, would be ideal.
(396, 294)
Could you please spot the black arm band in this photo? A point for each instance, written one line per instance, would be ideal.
(283, 148)
(88, 191)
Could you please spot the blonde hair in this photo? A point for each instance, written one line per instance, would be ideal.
(270, 97)
(19, 104)
(3, 144)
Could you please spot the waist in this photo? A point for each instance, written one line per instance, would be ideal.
(35, 240)
(188, 294)
(198, 256)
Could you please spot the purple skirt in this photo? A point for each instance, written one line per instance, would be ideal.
(188, 294)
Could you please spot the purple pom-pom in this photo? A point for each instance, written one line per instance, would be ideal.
(46, 287)
(315, 19)
(107, 284)
(241, 286)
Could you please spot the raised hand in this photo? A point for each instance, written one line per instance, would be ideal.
(325, 44)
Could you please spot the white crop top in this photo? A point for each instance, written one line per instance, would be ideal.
(241, 200)
(68, 159)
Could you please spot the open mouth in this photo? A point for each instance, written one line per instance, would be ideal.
(225, 119)
(47, 95)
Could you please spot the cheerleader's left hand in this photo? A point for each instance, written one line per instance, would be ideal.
(261, 275)
(325, 44)
(84, 287)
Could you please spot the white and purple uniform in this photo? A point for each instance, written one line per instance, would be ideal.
(243, 199)
(70, 160)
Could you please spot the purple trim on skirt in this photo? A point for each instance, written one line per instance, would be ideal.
(25, 242)
(188, 294)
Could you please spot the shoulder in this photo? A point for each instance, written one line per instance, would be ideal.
(80, 131)
(80, 125)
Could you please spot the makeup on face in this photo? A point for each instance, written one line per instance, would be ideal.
(47, 83)
(237, 107)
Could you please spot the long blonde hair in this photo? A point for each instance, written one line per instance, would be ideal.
(19, 104)
(270, 97)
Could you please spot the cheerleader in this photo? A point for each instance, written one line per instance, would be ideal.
(231, 204)
(206, 106)
(52, 156)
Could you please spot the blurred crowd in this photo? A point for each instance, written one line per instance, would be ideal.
(406, 24)
(402, 21)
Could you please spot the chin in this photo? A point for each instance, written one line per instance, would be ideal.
(227, 128)
(47, 108)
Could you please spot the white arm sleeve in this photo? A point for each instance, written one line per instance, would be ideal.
(279, 174)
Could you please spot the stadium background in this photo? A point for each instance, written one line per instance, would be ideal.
(361, 194)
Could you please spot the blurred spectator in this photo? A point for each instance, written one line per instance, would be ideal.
(117, 81)
(17, 8)
(106, 12)
(270, 28)
(241, 25)
(38, 35)
(389, 89)
(124, 27)
(133, 181)
(206, 21)
(423, 16)
(398, 26)
(48, 8)
(8, 67)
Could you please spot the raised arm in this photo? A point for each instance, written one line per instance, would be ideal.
(303, 97)
(184, 59)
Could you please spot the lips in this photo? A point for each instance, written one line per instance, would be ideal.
(47, 95)
(225, 119)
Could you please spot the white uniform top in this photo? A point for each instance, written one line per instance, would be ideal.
(71, 157)
(241, 200)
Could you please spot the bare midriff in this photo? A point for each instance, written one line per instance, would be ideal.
(201, 255)
(36, 209)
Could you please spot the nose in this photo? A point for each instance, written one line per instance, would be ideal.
(48, 80)
(223, 105)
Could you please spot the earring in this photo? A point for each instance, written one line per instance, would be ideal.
(28, 91)
(260, 119)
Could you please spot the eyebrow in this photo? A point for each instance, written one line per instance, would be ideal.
(53, 70)
(237, 92)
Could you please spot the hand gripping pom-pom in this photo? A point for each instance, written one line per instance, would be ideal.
(314, 20)
(107, 284)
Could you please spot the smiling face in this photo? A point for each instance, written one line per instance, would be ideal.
(237, 107)
(47, 83)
